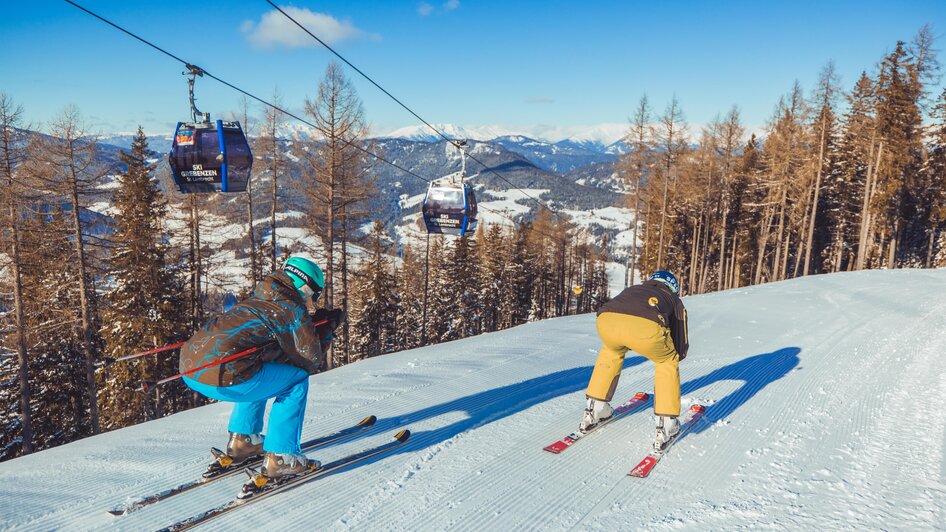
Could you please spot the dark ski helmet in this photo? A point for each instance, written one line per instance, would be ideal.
(306, 276)
(666, 278)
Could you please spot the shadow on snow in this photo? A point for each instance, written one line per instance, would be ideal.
(491, 405)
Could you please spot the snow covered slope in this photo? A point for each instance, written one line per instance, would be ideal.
(825, 411)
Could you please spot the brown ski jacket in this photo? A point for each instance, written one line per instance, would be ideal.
(654, 301)
(274, 319)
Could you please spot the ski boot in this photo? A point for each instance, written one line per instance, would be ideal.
(275, 469)
(596, 411)
(277, 466)
(240, 449)
(667, 429)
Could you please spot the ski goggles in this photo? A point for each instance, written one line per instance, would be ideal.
(315, 293)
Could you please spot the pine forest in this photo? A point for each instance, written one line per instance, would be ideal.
(845, 175)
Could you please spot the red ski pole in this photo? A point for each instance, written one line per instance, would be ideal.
(145, 386)
(108, 361)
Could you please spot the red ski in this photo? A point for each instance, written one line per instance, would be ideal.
(642, 469)
(636, 402)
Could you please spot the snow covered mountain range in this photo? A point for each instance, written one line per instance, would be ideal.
(511, 174)
(555, 148)
(822, 399)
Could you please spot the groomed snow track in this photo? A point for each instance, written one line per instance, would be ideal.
(825, 401)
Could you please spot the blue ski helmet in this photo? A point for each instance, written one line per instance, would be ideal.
(305, 274)
(666, 278)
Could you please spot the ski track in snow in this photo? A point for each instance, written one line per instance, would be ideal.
(824, 412)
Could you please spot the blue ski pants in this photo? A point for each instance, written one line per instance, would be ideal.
(288, 384)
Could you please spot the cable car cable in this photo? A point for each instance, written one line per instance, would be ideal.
(289, 114)
(408, 109)
(249, 94)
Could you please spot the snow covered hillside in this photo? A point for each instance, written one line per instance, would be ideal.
(824, 399)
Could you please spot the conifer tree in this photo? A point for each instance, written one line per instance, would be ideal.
(66, 164)
(410, 287)
(519, 279)
(492, 258)
(61, 404)
(899, 127)
(440, 308)
(144, 304)
(463, 311)
(374, 330)
(934, 177)
(847, 190)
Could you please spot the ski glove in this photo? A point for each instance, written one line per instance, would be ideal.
(333, 318)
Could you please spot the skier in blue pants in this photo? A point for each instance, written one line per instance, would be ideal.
(278, 320)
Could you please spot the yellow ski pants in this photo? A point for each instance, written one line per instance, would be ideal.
(621, 333)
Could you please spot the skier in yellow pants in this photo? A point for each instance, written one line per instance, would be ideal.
(649, 319)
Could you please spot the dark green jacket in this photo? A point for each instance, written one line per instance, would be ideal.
(654, 301)
(274, 318)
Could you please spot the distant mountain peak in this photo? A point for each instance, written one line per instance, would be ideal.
(599, 135)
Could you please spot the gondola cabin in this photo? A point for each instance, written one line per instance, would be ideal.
(450, 208)
(210, 157)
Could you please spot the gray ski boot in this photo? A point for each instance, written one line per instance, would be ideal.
(277, 465)
(242, 447)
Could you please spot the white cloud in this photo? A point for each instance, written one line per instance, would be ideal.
(275, 29)
(425, 9)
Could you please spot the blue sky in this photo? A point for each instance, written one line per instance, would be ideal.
(465, 62)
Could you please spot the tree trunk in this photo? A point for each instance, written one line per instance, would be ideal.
(637, 215)
(694, 248)
(346, 353)
(865, 210)
(814, 209)
(801, 241)
(734, 263)
(88, 343)
(763, 243)
(783, 268)
(272, 210)
(663, 218)
(197, 311)
(23, 370)
(894, 241)
(721, 280)
(423, 329)
(23, 375)
(704, 253)
(330, 229)
(254, 268)
(777, 260)
(929, 248)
